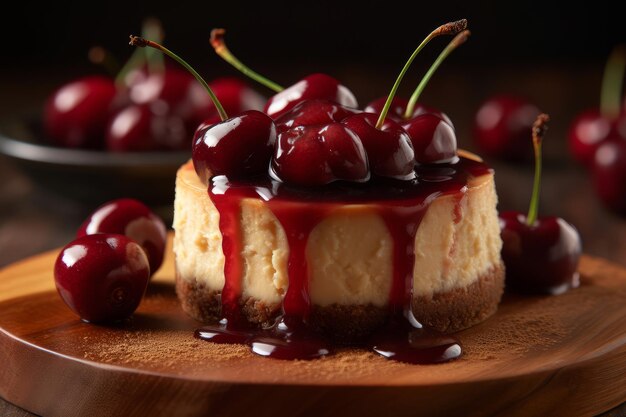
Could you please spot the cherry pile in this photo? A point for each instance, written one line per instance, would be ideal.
(102, 275)
(597, 137)
(147, 107)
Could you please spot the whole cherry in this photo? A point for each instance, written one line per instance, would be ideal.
(313, 112)
(608, 170)
(133, 219)
(237, 147)
(102, 277)
(433, 139)
(314, 86)
(540, 254)
(502, 126)
(76, 114)
(397, 111)
(592, 128)
(319, 154)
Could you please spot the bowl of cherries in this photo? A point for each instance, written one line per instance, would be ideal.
(103, 137)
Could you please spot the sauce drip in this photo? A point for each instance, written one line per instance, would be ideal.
(401, 204)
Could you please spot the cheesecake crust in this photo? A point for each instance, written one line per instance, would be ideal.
(447, 312)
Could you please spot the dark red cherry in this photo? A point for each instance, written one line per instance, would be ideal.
(75, 116)
(541, 258)
(102, 277)
(318, 155)
(608, 170)
(133, 219)
(389, 149)
(235, 95)
(398, 108)
(503, 126)
(590, 130)
(313, 112)
(238, 147)
(313, 86)
(147, 127)
(433, 139)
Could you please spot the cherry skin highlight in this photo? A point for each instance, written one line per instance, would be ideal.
(319, 154)
(541, 258)
(102, 277)
(433, 139)
(133, 219)
(389, 149)
(314, 86)
(503, 126)
(76, 114)
(238, 147)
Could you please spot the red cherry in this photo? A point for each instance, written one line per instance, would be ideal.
(146, 127)
(76, 114)
(608, 170)
(590, 130)
(389, 149)
(134, 220)
(238, 147)
(503, 126)
(235, 95)
(320, 86)
(433, 139)
(542, 258)
(398, 108)
(318, 155)
(102, 277)
(313, 112)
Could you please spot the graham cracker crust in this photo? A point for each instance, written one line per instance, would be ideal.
(447, 312)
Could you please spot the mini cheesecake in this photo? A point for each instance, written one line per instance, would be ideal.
(351, 253)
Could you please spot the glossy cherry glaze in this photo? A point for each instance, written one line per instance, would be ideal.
(133, 219)
(401, 204)
(388, 149)
(75, 116)
(314, 86)
(238, 147)
(502, 127)
(433, 139)
(102, 277)
(398, 108)
(608, 169)
(318, 155)
(313, 112)
(542, 258)
(147, 127)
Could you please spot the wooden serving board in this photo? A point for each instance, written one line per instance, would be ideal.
(553, 356)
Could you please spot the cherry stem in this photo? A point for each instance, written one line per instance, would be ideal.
(151, 28)
(142, 43)
(455, 43)
(539, 130)
(100, 56)
(450, 28)
(219, 45)
(612, 82)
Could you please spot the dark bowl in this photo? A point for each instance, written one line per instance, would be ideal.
(90, 176)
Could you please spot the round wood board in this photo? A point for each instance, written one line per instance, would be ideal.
(553, 356)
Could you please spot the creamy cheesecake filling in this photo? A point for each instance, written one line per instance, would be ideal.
(349, 252)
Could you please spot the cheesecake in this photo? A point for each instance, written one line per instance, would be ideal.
(354, 253)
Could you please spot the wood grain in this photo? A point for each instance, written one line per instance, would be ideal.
(556, 356)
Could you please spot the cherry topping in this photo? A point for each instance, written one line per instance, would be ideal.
(319, 154)
(238, 147)
(433, 139)
(76, 114)
(389, 149)
(102, 277)
(503, 124)
(398, 109)
(540, 254)
(134, 220)
(313, 112)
